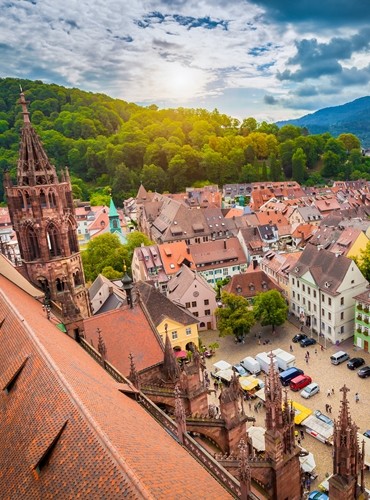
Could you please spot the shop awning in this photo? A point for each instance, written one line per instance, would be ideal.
(257, 434)
(180, 354)
(248, 383)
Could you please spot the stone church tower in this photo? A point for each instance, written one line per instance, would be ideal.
(281, 450)
(348, 461)
(43, 217)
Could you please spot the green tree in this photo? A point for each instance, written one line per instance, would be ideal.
(154, 178)
(275, 168)
(270, 308)
(298, 165)
(349, 142)
(235, 317)
(102, 252)
(363, 261)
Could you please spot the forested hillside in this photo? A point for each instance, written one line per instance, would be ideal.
(352, 117)
(109, 142)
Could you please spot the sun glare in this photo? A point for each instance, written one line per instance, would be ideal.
(178, 82)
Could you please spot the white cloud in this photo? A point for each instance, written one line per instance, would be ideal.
(171, 52)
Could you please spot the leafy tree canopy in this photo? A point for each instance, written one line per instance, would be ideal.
(270, 308)
(235, 317)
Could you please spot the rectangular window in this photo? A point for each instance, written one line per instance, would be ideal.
(187, 305)
(293, 294)
(207, 312)
(293, 307)
(322, 312)
(188, 331)
(297, 284)
(304, 301)
(329, 301)
(309, 290)
(174, 335)
(342, 301)
(298, 297)
(342, 315)
(196, 314)
(342, 329)
(329, 316)
(314, 294)
(293, 281)
(329, 329)
(314, 308)
(303, 288)
(206, 302)
(309, 305)
(322, 297)
(193, 304)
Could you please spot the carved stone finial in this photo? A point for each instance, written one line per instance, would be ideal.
(244, 470)
(171, 369)
(101, 344)
(134, 376)
(179, 414)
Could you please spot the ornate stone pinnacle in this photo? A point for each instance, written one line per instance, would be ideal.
(101, 344)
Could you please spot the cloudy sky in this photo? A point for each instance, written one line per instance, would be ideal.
(271, 59)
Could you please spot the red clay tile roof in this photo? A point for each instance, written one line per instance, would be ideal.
(126, 330)
(250, 283)
(109, 446)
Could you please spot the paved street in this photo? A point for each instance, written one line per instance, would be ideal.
(320, 370)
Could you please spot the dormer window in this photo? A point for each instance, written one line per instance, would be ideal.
(327, 284)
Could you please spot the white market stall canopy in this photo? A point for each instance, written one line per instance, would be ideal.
(257, 434)
(307, 462)
(221, 365)
(225, 374)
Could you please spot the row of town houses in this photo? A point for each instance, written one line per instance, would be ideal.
(261, 236)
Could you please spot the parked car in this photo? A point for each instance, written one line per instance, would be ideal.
(355, 363)
(307, 341)
(240, 370)
(367, 433)
(317, 495)
(310, 390)
(364, 372)
(323, 418)
(299, 337)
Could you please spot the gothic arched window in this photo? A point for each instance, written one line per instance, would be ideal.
(59, 285)
(28, 200)
(77, 278)
(52, 199)
(72, 238)
(43, 199)
(33, 244)
(53, 239)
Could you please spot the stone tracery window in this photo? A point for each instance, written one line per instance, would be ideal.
(32, 243)
(53, 239)
(72, 238)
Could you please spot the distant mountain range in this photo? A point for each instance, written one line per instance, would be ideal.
(353, 117)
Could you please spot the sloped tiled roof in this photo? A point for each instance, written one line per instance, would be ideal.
(325, 267)
(184, 280)
(173, 255)
(210, 254)
(126, 330)
(12, 274)
(160, 307)
(250, 283)
(109, 446)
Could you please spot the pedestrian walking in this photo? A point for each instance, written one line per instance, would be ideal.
(306, 360)
(330, 408)
(291, 348)
(315, 351)
(357, 397)
(329, 392)
(299, 441)
(302, 433)
(308, 354)
(332, 391)
(327, 408)
(215, 385)
(250, 406)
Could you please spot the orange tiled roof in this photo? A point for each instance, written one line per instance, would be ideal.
(109, 446)
(126, 330)
(173, 255)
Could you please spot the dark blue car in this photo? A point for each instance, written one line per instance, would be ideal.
(306, 342)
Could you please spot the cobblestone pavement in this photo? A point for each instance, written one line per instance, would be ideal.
(320, 370)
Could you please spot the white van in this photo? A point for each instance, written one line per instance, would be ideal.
(339, 357)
